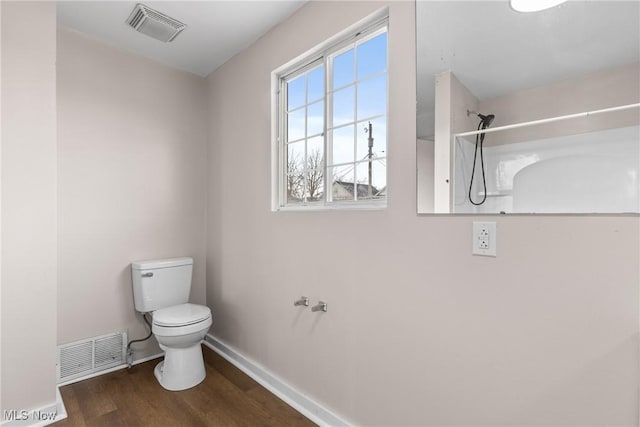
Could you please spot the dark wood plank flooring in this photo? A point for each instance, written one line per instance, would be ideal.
(133, 397)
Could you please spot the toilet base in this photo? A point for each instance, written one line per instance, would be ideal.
(182, 368)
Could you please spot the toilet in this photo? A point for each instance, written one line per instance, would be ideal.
(161, 287)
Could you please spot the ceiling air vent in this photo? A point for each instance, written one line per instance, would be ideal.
(154, 24)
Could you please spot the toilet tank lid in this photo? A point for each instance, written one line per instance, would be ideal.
(152, 264)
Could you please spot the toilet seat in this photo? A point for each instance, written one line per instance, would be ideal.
(181, 315)
(181, 319)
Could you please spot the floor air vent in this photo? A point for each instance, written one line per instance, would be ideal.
(81, 358)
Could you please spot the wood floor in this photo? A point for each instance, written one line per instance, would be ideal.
(133, 397)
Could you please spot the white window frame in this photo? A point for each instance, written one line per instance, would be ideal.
(322, 54)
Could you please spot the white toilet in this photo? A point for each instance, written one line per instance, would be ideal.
(161, 287)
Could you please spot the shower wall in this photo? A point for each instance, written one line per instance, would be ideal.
(590, 172)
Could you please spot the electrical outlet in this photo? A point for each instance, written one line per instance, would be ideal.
(484, 238)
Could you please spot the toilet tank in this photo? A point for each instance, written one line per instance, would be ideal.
(161, 283)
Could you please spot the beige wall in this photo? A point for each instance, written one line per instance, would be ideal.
(1, 405)
(424, 175)
(418, 331)
(28, 205)
(131, 152)
(452, 100)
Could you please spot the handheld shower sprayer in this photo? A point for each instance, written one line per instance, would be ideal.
(485, 122)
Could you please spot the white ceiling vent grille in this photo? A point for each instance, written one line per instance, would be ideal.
(82, 358)
(154, 24)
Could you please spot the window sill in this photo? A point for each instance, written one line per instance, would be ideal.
(336, 206)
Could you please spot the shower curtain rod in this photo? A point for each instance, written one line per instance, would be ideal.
(549, 120)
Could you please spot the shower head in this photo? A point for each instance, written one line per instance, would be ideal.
(486, 120)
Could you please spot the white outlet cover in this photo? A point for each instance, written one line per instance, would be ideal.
(484, 239)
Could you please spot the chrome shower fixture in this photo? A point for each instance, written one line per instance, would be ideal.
(302, 301)
(321, 306)
(485, 121)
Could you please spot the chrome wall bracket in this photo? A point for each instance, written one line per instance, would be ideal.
(321, 306)
(302, 301)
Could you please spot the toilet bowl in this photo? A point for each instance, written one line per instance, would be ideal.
(179, 330)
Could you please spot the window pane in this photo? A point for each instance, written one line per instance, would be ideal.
(315, 84)
(315, 153)
(295, 93)
(295, 172)
(343, 145)
(295, 157)
(378, 179)
(379, 133)
(315, 118)
(343, 106)
(315, 169)
(315, 185)
(372, 56)
(343, 69)
(295, 125)
(372, 97)
(342, 182)
(295, 188)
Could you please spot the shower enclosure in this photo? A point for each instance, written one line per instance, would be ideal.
(575, 163)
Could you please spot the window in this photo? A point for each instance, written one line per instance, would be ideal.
(332, 125)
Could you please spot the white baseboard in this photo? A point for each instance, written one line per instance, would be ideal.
(294, 398)
(38, 417)
(115, 368)
(146, 359)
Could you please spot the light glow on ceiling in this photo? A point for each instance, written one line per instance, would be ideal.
(534, 5)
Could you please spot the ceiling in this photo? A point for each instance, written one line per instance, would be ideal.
(216, 30)
(494, 50)
(491, 49)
